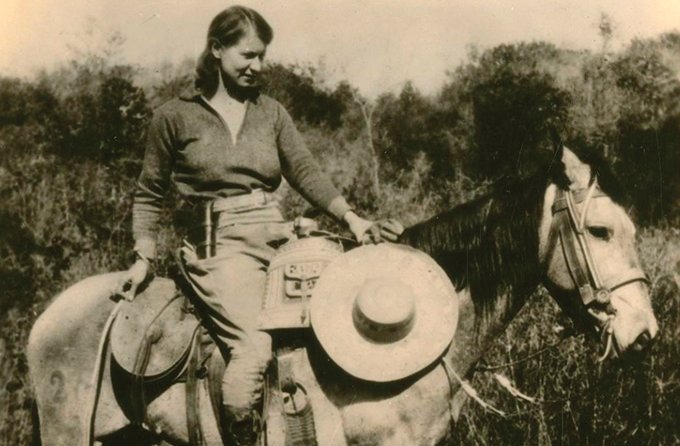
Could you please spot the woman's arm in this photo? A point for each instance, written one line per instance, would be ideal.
(306, 176)
(303, 172)
(152, 186)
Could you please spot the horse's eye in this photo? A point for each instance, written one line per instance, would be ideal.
(599, 232)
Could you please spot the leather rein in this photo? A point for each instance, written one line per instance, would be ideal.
(594, 290)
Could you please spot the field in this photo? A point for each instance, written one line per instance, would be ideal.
(71, 143)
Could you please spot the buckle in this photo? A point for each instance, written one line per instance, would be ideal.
(603, 296)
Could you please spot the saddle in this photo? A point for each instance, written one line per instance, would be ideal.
(151, 335)
(151, 343)
(157, 340)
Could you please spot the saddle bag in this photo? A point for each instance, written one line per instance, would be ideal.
(291, 277)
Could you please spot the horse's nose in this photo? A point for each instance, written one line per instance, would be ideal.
(642, 342)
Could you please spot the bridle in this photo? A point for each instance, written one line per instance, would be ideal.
(594, 290)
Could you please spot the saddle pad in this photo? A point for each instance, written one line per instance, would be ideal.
(154, 330)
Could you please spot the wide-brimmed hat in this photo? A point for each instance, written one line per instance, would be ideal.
(384, 312)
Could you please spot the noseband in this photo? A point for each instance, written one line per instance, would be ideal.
(594, 290)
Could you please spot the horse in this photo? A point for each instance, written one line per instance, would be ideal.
(564, 228)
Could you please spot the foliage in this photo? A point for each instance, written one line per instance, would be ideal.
(411, 125)
(305, 99)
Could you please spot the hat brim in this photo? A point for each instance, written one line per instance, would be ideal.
(436, 312)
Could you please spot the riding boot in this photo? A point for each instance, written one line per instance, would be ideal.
(242, 388)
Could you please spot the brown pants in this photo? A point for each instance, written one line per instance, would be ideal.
(231, 287)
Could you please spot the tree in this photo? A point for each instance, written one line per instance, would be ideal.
(649, 128)
(496, 108)
(412, 124)
(512, 112)
(367, 110)
(297, 88)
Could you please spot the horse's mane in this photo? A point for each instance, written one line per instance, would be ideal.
(490, 244)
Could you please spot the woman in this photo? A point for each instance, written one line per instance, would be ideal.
(225, 150)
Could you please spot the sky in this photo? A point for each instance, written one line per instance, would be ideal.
(375, 44)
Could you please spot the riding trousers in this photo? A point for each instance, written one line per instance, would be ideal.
(230, 288)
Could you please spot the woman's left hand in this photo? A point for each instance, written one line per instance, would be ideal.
(365, 231)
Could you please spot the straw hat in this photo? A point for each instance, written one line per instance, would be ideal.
(384, 312)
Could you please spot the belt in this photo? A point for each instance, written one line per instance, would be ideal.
(257, 197)
(211, 212)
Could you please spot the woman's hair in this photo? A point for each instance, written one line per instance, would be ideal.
(226, 29)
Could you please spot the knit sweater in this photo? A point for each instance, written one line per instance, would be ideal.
(190, 146)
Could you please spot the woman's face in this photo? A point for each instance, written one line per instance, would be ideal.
(242, 63)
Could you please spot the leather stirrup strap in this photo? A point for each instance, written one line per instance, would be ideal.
(137, 390)
(192, 395)
(298, 419)
(216, 368)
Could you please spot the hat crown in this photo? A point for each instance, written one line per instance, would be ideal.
(384, 310)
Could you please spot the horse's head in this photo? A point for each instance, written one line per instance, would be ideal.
(591, 267)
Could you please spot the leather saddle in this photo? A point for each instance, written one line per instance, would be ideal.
(151, 344)
(156, 341)
(151, 337)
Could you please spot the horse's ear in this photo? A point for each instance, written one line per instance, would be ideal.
(577, 172)
(556, 142)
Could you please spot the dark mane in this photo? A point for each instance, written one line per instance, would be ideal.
(489, 244)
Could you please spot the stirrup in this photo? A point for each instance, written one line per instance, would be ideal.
(246, 431)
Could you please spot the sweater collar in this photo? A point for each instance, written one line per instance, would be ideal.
(192, 94)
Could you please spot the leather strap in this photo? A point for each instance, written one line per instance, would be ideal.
(297, 409)
(216, 368)
(574, 264)
(96, 379)
(137, 388)
(285, 372)
(216, 365)
(192, 394)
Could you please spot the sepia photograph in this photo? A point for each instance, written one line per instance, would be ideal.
(339, 222)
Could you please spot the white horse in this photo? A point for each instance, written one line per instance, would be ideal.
(564, 229)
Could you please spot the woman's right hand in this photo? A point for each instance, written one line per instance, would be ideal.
(365, 231)
(132, 278)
